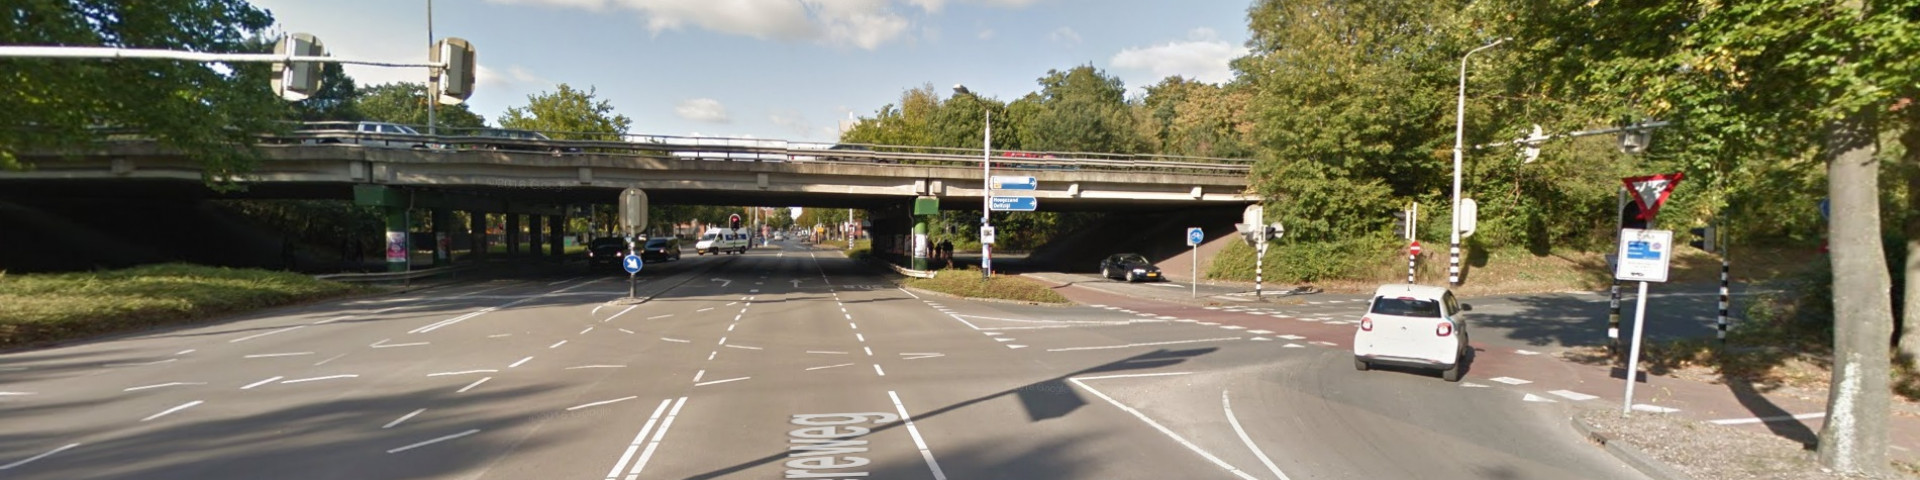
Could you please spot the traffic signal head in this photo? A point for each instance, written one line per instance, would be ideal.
(1703, 238)
(456, 81)
(1400, 224)
(733, 221)
(1630, 216)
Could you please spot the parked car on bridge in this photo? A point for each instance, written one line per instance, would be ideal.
(1131, 267)
(1415, 326)
(367, 134)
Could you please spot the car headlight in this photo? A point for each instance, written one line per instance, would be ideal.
(1139, 270)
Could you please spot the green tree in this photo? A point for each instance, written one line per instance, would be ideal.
(55, 103)
(568, 114)
(406, 103)
(1083, 110)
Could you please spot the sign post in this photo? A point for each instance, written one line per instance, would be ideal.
(632, 263)
(1644, 257)
(1194, 237)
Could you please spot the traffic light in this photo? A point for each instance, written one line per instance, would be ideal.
(295, 81)
(456, 81)
(1249, 232)
(733, 221)
(1703, 238)
(1400, 224)
(1630, 216)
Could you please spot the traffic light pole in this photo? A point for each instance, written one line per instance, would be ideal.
(1613, 300)
(1259, 264)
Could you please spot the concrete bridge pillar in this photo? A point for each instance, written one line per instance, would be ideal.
(477, 232)
(442, 237)
(513, 234)
(533, 235)
(557, 237)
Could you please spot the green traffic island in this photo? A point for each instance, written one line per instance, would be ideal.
(40, 309)
(967, 283)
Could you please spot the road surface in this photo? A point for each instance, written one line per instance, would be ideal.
(782, 363)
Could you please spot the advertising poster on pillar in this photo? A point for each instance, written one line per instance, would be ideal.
(396, 247)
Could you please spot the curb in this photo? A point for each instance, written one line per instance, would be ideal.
(922, 291)
(1633, 457)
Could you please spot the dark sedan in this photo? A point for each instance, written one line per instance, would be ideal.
(1131, 267)
(606, 251)
(520, 140)
(660, 250)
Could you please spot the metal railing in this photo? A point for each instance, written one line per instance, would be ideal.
(726, 149)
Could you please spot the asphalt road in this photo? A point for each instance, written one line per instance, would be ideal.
(781, 363)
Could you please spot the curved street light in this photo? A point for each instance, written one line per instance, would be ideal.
(1459, 134)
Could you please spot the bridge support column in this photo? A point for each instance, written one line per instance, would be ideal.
(398, 251)
(557, 237)
(533, 235)
(442, 237)
(477, 235)
(513, 234)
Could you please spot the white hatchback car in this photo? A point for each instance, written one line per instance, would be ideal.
(1413, 326)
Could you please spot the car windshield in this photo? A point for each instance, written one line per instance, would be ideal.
(1406, 307)
(657, 243)
(1131, 258)
(708, 237)
(608, 242)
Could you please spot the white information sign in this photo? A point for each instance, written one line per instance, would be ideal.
(1644, 255)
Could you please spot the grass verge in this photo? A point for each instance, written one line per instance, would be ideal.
(42, 308)
(1359, 265)
(967, 283)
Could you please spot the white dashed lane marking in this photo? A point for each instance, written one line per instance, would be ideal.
(1511, 380)
(1573, 395)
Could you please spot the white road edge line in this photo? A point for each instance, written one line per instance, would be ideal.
(434, 441)
(925, 453)
(595, 366)
(647, 454)
(258, 335)
(720, 381)
(602, 402)
(522, 361)
(1148, 344)
(462, 372)
(329, 377)
(182, 406)
(168, 384)
(401, 419)
(1163, 430)
(827, 367)
(475, 383)
(637, 440)
(40, 456)
(1781, 418)
(259, 383)
(1235, 421)
(270, 355)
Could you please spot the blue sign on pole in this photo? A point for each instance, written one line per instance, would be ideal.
(1639, 250)
(1015, 183)
(1015, 204)
(632, 263)
(1195, 236)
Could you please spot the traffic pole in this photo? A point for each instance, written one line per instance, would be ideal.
(1726, 299)
(1196, 272)
(1259, 264)
(1633, 358)
(1613, 299)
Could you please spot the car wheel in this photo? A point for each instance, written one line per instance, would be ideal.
(1453, 374)
(1360, 365)
(1107, 274)
(1131, 278)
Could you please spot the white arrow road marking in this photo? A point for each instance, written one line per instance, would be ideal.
(723, 282)
(434, 441)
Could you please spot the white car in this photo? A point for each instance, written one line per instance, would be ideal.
(1415, 326)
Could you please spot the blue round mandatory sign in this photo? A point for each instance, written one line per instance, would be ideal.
(632, 263)
(1195, 237)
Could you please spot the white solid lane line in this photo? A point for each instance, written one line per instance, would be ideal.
(674, 340)
(475, 383)
(596, 366)
(1156, 426)
(647, 454)
(329, 360)
(698, 376)
(182, 406)
(743, 347)
(557, 344)
(315, 379)
(602, 402)
(716, 382)
(434, 441)
(259, 383)
(617, 315)
(1235, 421)
(827, 367)
(637, 440)
(40, 456)
(271, 355)
(826, 352)
(168, 384)
(258, 335)
(1148, 344)
(462, 372)
(401, 419)
(925, 453)
(522, 361)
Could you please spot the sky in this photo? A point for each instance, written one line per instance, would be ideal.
(782, 69)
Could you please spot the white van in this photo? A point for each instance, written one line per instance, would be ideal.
(721, 240)
(1415, 326)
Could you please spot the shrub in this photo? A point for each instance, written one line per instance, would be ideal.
(39, 308)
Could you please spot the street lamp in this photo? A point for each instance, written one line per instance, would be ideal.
(986, 184)
(1459, 134)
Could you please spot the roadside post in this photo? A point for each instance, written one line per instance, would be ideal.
(633, 219)
(1194, 237)
(632, 263)
(1644, 257)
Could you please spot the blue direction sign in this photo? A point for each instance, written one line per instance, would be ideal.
(632, 263)
(1015, 183)
(1015, 204)
(1195, 236)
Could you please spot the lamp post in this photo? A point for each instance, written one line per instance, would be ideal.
(986, 183)
(433, 76)
(1459, 134)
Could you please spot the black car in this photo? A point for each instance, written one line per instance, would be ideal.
(520, 140)
(663, 249)
(1131, 267)
(606, 251)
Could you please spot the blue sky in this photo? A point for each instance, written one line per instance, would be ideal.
(789, 69)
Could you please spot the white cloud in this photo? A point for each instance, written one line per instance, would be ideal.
(1065, 35)
(793, 121)
(934, 6)
(1203, 56)
(515, 75)
(702, 110)
(986, 34)
(867, 24)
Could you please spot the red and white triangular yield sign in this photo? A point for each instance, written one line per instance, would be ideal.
(1651, 191)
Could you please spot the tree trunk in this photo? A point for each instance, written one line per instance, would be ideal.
(1910, 310)
(1854, 439)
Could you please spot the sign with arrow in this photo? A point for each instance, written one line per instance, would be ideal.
(1651, 191)
(1015, 204)
(1015, 183)
(723, 282)
(632, 263)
